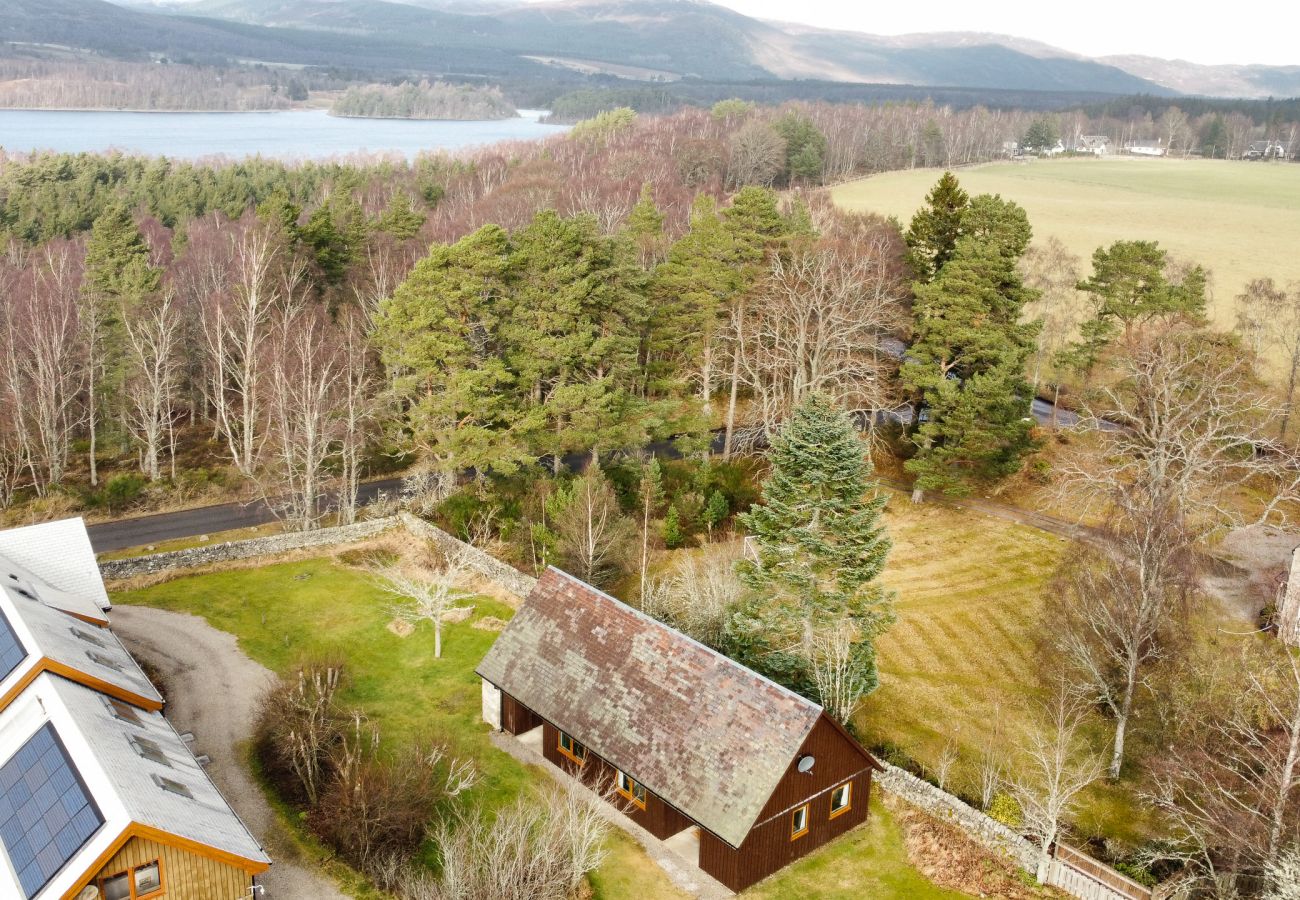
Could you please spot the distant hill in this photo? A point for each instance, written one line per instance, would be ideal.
(649, 39)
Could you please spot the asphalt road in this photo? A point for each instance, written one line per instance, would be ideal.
(169, 526)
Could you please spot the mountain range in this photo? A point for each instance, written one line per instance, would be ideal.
(648, 40)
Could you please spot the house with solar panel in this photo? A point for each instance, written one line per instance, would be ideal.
(100, 798)
(727, 767)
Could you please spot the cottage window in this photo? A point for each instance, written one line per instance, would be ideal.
(632, 789)
(841, 799)
(173, 787)
(799, 822)
(150, 750)
(123, 712)
(574, 750)
(137, 883)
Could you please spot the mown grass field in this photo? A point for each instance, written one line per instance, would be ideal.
(960, 664)
(286, 612)
(1240, 219)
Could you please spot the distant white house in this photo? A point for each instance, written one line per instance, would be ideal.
(1152, 147)
(1096, 144)
(1265, 150)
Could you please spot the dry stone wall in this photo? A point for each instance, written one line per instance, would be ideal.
(194, 557)
(989, 833)
(491, 568)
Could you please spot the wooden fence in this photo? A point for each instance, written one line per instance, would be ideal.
(1081, 876)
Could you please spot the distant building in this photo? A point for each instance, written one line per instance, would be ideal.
(695, 745)
(100, 798)
(1265, 150)
(1153, 147)
(1096, 144)
(1011, 150)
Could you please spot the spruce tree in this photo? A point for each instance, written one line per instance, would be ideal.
(821, 547)
(932, 237)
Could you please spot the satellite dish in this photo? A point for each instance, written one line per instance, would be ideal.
(90, 892)
(806, 764)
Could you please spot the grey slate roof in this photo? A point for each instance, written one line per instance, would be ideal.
(706, 734)
(88, 649)
(206, 818)
(62, 550)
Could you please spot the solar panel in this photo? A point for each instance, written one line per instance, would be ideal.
(11, 649)
(46, 813)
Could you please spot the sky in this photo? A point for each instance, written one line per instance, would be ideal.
(1197, 31)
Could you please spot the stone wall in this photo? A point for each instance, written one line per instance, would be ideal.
(254, 547)
(491, 568)
(989, 833)
(485, 564)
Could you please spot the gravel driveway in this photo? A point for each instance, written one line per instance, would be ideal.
(212, 690)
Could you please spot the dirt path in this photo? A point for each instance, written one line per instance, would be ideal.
(212, 691)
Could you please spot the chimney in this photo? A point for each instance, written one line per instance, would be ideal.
(1288, 614)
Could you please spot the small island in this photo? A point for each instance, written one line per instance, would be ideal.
(426, 100)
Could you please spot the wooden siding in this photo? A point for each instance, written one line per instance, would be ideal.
(515, 717)
(185, 875)
(768, 848)
(658, 818)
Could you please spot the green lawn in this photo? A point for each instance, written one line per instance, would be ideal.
(282, 613)
(869, 862)
(1240, 219)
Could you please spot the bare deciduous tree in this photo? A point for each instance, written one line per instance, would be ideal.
(1230, 783)
(153, 334)
(1269, 321)
(1053, 271)
(595, 539)
(534, 850)
(1116, 606)
(820, 324)
(839, 676)
(302, 406)
(757, 155)
(359, 388)
(698, 594)
(1055, 766)
(429, 594)
(1185, 419)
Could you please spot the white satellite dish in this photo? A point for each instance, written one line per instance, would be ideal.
(806, 764)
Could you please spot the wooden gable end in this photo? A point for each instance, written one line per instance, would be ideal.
(837, 758)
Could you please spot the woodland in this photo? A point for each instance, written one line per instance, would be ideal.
(516, 327)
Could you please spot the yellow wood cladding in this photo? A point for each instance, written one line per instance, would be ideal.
(185, 876)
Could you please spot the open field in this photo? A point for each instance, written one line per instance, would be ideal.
(1240, 219)
(281, 613)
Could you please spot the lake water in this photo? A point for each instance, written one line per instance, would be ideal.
(296, 134)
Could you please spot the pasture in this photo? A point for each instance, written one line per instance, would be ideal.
(1239, 219)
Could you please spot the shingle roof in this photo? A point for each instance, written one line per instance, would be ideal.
(709, 736)
(204, 818)
(75, 645)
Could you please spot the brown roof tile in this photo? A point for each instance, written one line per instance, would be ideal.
(706, 734)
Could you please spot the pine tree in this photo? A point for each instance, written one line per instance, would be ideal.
(821, 547)
(400, 219)
(119, 277)
(645, 228)
(650, 493)
(1130, 286)
(968, 364)
(932, 237)
(439, 336)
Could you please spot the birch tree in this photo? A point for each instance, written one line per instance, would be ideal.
(303, 404)
(153, 334)
(1054, 768)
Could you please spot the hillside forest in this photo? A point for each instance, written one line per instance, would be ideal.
(515, 327)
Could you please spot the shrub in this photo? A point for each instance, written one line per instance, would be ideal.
(674, 536)
(299, 728)
(377, 806)
(120, 490)
(1006, 810)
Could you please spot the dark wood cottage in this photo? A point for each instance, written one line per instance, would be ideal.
(686, 737)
